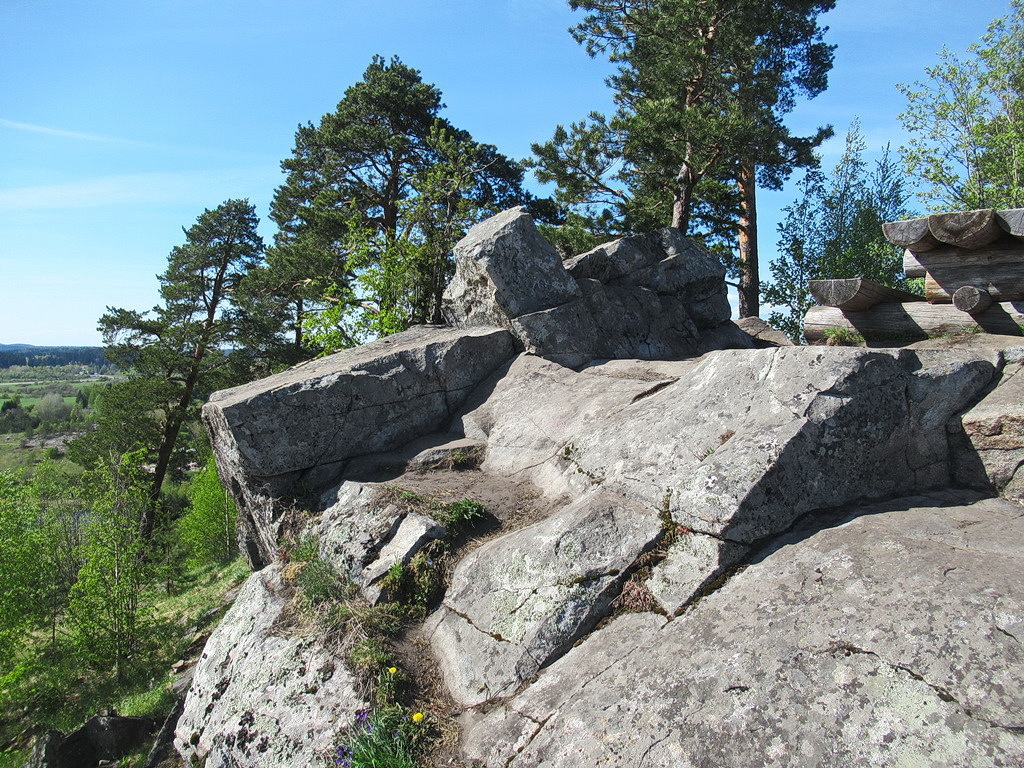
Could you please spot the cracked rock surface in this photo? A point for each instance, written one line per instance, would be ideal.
(261, 696)
(891, 639)
(283, 435)
(737, 444)
(993, 435)
(523, 598)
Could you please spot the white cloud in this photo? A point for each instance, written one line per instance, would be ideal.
(73, 135)
(141, 189)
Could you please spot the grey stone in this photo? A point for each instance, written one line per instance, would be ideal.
(520, 600)
(262, 697)
(101, 740)
(738, 444)
(892, 639)
(690, 564)
(414, 532)
(763, 334)
(657, 296)
(504, 268)
(289, 434)
(992, 450)
(357, 520)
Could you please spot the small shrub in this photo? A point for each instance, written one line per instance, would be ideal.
(305, 551)
(369, 655)
(461, 514)
(208, 527)
(319, 583)
(842, 337)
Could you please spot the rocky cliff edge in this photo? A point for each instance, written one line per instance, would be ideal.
(697, 552)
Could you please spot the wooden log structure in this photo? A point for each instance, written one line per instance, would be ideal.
(856, 294)
(972, 300)
(912, 321)
(969, 229)
(997, 268)
(912, 234)
(1011, 221)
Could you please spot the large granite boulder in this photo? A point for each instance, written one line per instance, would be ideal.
(504, 268)
(892, 638)
(782, 619)
(263, 694)
(656, 296)
(291, 434)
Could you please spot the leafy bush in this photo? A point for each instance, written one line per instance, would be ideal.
(105, 611)
(208, 527)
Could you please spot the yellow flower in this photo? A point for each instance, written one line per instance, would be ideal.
(418, 717)
(392, 670)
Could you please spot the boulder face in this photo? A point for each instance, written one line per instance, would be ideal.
(262, 696)
(651, 297)
(991, 449)
(293, 432)
(828, 650)
(751, 556)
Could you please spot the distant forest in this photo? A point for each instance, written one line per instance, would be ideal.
(25, 354)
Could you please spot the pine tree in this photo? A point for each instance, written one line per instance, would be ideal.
(184, 348)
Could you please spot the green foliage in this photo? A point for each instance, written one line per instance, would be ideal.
(23, 542)
(702, 88)
(967, 122)
(207, 529)
(320, 584)
(177, 350)
(842, 337)
(52, 409)
(106, 604)
(834, 231)
(375, 197)
(462, 514)
(387, 738)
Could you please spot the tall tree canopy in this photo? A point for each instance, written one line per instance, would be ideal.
(834, 230)
(967, 122)
(184, 348)
(375, 197)
(702, 88)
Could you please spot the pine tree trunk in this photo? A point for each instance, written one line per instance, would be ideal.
(749, 291)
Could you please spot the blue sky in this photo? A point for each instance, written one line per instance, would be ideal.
(121, 120)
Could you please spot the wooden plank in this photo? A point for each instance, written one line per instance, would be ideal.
(855, 293)
(972, 300)
(912, 233)
(1011, 221)
(968, 229)
(913, 321)
(997, 268)
(912, 266)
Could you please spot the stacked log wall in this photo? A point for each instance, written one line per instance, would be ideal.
(973, 266)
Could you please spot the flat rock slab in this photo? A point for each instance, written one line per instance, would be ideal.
(289, 434)
(521, 600)
(263, 697)
(736, 445)
(892, 639)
